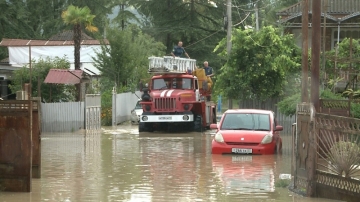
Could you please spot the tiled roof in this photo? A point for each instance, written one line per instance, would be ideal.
(333, 7)
(27, 42)
(63, 76)
(68, 35)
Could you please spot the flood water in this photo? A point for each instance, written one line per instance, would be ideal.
(121, 165)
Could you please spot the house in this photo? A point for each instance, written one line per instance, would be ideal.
(60, 45)
(341, 19)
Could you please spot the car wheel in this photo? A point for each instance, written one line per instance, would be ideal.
(214, 117)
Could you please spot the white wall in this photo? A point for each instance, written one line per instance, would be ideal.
(19, 55)
(125, 102)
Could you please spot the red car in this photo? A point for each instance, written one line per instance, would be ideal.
(247, 131)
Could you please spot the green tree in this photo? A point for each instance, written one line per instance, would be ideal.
(258, 65)
(342, 56)
(39, 71)
(126, 15)
(124, 63)
(125, 60)
(100, 8)
(198, 23)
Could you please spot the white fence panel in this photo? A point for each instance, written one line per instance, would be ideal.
(62, 117)
(93, 112)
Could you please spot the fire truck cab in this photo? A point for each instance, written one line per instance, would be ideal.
(176, 98)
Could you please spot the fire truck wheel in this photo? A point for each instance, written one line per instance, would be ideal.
(214, 117)
(198, 123)
(145, 127)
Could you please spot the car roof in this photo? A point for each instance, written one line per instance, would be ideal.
(252, 111)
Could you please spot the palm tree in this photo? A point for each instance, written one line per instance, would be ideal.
(78, 17)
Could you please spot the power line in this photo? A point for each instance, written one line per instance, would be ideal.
(203, 38)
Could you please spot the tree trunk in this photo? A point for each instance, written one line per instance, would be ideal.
(77, 41)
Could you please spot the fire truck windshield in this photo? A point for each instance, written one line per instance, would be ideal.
(173, 83)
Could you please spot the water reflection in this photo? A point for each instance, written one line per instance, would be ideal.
(246, 174)
(250, 176)
(121, 165)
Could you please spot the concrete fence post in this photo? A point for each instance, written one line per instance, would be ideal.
(113, 107)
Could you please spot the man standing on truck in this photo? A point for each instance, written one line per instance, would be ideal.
(178, 50)
(208, 69)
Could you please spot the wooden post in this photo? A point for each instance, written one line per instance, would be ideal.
(228, 40)
(315, 85)
(36, 138)
(305, 51)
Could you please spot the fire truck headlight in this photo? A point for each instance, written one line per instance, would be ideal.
(147, 107)
(144, 118)
(186, 106)
(185, 117)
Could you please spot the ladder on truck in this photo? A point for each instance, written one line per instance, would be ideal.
(170, 65)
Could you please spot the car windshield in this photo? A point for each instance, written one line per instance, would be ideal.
(246, 121)
(138, 105)
(173, 83)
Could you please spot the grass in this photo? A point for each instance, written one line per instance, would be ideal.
(283, 183)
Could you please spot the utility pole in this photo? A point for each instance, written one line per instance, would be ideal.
(315, 53)
(122, 8)
(257, 16)
(305, 51)
(324, 38)
(228, 42)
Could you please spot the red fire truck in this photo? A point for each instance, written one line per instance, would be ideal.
(178, 97)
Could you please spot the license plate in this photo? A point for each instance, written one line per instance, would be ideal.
(165, 118)
(241, 151)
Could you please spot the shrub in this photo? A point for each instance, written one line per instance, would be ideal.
(282, 183)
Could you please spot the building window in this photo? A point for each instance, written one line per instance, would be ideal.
(2, 78)
(344, 33)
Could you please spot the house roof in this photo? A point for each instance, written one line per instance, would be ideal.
(336, 10)
(333, 7)
(62, 39)
(64, 76)
(27, 42)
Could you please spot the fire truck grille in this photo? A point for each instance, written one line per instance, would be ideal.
(165, 104)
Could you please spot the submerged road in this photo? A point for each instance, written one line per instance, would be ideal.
(118, 164)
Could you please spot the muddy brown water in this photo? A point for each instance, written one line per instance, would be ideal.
(118, 164)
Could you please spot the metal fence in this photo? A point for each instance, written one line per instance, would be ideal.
(62, 116)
